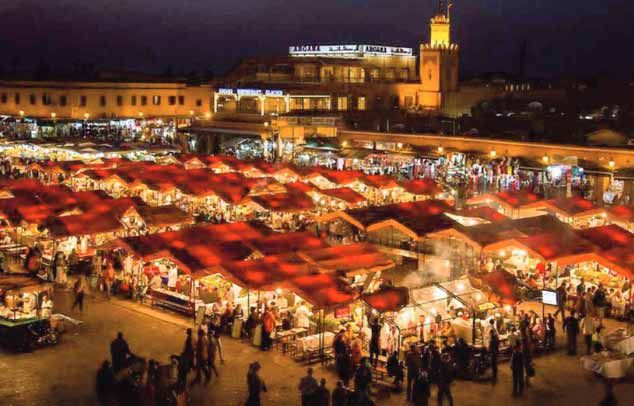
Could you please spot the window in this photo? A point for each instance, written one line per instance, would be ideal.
(3, 98)
(119, 100)
(156, 100)
(102, 100)
(342, 103)
(171, 100)
(404, 74)
(181, 100)
(143, 100)
(361, 103)
(374, 74)
(17, 98)
(409, 101)
(46, 99)
(63, 100)
(32, 99)
(133, 100)
(199, 102)
(83, 100)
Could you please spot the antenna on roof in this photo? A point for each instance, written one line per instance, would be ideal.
(440, 7)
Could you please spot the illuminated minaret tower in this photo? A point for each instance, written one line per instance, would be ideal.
(438, 60)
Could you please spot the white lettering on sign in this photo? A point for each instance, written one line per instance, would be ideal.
(224, 90)
(347, 50)
(249, 92)
(270, 92)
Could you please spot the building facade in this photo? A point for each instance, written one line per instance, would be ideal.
(102, 100)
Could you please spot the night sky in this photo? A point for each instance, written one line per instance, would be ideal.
(580, 37)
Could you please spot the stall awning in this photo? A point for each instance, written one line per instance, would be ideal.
(389, 299)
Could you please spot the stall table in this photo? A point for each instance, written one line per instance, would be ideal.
(306, 349)
(174, 301)
(618, 341)
(612, 366)
(284, 338)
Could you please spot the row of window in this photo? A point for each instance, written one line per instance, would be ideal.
(103, 100)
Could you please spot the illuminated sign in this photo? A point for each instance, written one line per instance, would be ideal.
(250, 92)
(269, 92)
(549, 297)
(349, 51)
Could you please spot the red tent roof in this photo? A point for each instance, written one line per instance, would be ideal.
(388, 299)
(553, 246)
(322, 290)
(285, 202)
(426, 187)
(344, 193)
(608, 237)
(380, 181)
(622, 212)
(341, 177)
(482, 212)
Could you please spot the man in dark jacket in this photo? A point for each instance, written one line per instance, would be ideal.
(571, 327)
(322, 396)
(340, 395)
(186, 360)
(494, 348)
(308, 388)
(120, 352)
(444, 380)
(422, 391)
(517, 366)
(374, 341)
(413, 364)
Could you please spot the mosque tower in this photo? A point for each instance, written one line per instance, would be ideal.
(438, 64)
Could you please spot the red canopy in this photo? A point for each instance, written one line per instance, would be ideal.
(388, 299)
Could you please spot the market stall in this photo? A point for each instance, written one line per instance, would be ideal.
(24, 301)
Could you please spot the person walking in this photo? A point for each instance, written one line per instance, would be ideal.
(78, 290)
(211, 354)
(587, 329)
(494, 349)
(186, 361)
(255, 385)
(517, 367)
(413, 363)
(308, 388)
(562, 296)
(422, 390)
(202, 358)
(571, 327)
(444, 380)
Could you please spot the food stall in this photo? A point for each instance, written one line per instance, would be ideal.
(576, 211)
(24, 301)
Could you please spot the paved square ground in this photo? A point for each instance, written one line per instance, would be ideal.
(65, 374)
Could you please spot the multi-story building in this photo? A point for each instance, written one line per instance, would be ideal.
(103, 100)
(345, 78)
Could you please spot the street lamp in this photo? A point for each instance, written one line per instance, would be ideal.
(208, 115)
(21, 112)
(611, 164)
(493, 154)
(86, 115)
(53, 115)
(140, 114)
(545, 159)
(441, 150)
